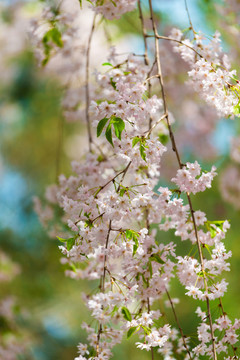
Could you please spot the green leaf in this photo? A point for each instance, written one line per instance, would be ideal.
(142, 152)
(80, 1)
(213, 232)
(146, 329)
(101, 126)
(115, 309)
(212, 225)
(122, 191)
(156, 257)
(70, 243)
(55, 36)
(128, 234)
(236, 109)
(89, 223)
(135, 140)
(107, 64)
(113, 83)
(119, 126)
(163, 138)
(108, 134)
(136, 245)
(61, 239)
(126, 314)
(131, 331)
(113, 2)
(201, 273)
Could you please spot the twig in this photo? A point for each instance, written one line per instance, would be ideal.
(174, 147)
(154, 125)
(112, 180)
(189, 18)
(87, 84)
(123, 175)
(144, 33)
(161, 37)
(150, 78)
(102, 283)
(178, 324)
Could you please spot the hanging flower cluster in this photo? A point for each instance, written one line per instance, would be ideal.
(113, 208)
(210, 76)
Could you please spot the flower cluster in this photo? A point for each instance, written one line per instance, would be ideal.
(112, 212)
(210, 73)
(190, 180)
(113, 9)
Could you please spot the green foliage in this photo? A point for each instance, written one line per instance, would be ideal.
(101, 126)
(132, 330)
(213, 227)
(113, 83)
(108, 134)
(236, 109)
(163, 139)
(133, 235)
(142, 145)
(146, 329)
(107, 64)
(126, 314)
(118, 125)
(51, 36)
(156, 258)
(70, 242)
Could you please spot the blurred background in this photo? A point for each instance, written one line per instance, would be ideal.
(41, 310)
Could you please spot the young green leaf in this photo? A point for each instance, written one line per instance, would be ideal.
(101, 126)
(156, 257)
(126, 314)
(113, 2)
(136, 245)
(142, 152)
(70, 243)
(131, 331)
(135, 140)
(146, 329)
(107, 64)
(108, 134)
(122, 192)
(56, 37)
(113, 83)
(119, 126)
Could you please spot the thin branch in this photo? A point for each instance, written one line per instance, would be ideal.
(123, 175)
(150, 78)
(154, 125)
(161, 37)
(87, 84)
(189, 18)
(178, 324)
(112, 180)
(103, 278)
(144, 33)
(174, 147)
(102, 283)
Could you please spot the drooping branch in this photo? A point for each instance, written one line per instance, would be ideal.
(87, 95)
(178, 324)
(175, 149)
(144, 33)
